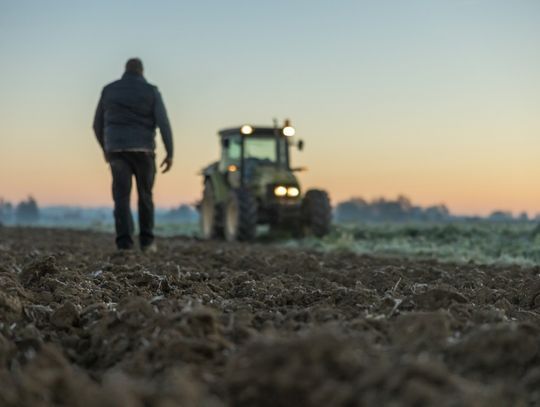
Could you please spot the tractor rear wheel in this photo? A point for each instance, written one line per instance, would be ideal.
(316, 212)
(240, 216)
(210, 213)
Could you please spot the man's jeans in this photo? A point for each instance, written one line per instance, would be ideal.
(125, 165)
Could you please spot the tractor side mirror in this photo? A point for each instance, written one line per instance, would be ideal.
(300, 145)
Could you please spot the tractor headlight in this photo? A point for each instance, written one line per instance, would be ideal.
(289, 131)
(293, 192)
(246, 129)
(280, 191)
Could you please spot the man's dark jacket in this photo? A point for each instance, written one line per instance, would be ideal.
(127, 115)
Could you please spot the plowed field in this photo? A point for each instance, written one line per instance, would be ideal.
(214, 324)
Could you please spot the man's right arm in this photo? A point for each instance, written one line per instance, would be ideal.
(99, 123)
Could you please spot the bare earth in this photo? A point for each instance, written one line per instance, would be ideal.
(213, 324)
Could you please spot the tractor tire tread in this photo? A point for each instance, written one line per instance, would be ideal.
(247, 225)
(317, 212)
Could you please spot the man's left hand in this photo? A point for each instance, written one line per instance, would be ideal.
(166, 165)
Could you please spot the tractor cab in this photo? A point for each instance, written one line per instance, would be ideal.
(249, 153)
(253, 183)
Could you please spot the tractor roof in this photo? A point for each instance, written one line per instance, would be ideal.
(256, 131)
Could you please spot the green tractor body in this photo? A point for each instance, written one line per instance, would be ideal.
(253, 183)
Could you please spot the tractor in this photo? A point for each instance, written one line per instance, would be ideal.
(253, 184)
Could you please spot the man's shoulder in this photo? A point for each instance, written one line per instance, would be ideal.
(112, 84)
(121, 83)
(154, 87)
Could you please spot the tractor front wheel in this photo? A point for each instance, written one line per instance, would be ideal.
(240, 216)
(316, 212)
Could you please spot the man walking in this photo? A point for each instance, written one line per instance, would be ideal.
(127, 115)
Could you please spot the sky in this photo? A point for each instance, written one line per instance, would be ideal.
(437, 100)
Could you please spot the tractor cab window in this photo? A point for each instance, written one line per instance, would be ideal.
(263, 152)
(231, 152)
(260, 150)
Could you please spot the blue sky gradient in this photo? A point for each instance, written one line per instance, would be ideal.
(439, 100)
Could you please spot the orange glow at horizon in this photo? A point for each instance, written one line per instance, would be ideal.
(466, 181)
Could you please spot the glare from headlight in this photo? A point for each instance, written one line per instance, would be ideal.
(289, 131)
(280, 191)
(293, 192)
(246, 129)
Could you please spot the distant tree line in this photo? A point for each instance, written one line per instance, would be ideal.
(353, 210)
(381, 209)
(505, 216)
(402, 209)
(28, 212)
(183, 213)
(25, 212)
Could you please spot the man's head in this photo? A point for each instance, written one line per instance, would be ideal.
(134, 65)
